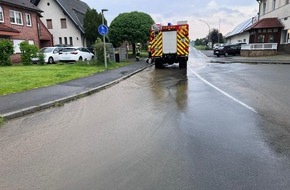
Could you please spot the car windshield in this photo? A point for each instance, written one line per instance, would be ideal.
(47, 50)
(69, 49)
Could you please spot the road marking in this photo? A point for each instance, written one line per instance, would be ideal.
(223, 92)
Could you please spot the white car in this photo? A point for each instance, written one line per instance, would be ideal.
(51, 54)
(216, 46)
(75, 54)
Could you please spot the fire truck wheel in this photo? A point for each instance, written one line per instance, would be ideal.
(183, 64)
(158, 64)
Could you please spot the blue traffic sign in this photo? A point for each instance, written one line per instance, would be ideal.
(103, 29)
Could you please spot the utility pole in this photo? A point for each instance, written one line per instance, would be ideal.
(104, 39)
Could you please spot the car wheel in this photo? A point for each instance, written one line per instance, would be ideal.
(226, 54)
(80, 59)
(50, 60)
(218, 55)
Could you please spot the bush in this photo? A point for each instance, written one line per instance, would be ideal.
(27, 52)
(6, 49)
(99, 51)
(41, 57)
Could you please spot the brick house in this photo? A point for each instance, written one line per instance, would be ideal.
(20, 21)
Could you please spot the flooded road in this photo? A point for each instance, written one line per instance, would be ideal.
(208, 128)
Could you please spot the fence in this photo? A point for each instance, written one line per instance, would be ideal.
(260, 46)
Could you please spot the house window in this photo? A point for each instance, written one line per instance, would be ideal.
(70, 40)
(49, 23)
(261, 38)
(28, 19)
(16, 17)
(274, 5)
(271, 38)
(60, 40)
(1, 15)
(65, 40)
(16, 44)
(63, 23)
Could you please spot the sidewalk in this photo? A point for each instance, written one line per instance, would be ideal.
(23, 103)
(277, 59)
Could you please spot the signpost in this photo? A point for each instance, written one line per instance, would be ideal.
(103, 30)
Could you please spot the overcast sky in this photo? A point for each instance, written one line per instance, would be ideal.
(219, 14)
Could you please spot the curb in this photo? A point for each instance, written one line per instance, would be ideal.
(61, 101)
(249, 62)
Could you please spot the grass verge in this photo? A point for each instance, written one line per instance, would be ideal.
(21, 78)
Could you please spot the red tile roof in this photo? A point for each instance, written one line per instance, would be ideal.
(267, 23)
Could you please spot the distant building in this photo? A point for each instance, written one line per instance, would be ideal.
(266, 30)
(64, 19)
(239, 34)
(20, 21)
(279, 9)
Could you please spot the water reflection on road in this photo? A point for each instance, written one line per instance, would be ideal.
(159, 129)
(170, 81)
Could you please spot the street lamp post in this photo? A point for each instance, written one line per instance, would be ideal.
(208, 28)
(104, 39)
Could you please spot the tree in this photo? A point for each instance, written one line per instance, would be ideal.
(132, 27)
(92, 21)
(216, 36)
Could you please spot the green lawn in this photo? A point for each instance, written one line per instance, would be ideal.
(21, 78)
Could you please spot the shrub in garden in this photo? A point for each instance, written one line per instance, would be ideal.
(99, 51)
(41, 58)
(27, 52)
(6, 49)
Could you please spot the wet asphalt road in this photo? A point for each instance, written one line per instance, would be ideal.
(214, 127)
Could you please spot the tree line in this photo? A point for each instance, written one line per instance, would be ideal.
(214, 37)
(132, 27)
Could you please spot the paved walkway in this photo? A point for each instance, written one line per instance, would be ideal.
(277, 59)
(19, 104)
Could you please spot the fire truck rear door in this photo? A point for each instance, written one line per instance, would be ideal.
(169, 42)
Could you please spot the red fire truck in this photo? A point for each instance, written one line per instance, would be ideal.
(170, 44)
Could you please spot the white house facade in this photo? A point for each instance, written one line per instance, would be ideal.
(64, 19)
(277, 9)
